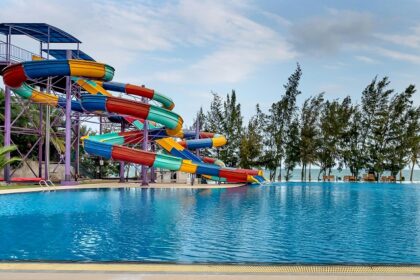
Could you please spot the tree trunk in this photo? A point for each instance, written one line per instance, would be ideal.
(309, 172)
(401, 175)
(128, 172)
(355, 173)
(302, 172)
(280, 172)
(412, 171)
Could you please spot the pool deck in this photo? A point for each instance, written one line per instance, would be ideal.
(47, 271)
(117, 185)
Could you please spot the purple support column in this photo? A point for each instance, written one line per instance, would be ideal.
(145, 140)
(40, 142)
(197, 152)
(7, 112)
(122, 179)
(40, 128)
(100, 125)
(67, 175)
(152, 169)
(197, 133)
(76, 129)
(47, 122)
(77, 146)
(7, 121)
(101, 131)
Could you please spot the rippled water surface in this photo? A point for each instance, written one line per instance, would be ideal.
(282, 223)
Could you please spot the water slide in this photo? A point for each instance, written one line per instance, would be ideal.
(96, 78)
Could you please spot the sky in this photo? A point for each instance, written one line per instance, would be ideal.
(187, 49)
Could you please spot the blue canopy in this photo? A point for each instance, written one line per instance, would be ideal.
(40, 31)
(62, 54)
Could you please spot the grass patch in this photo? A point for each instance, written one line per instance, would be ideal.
(12, 187)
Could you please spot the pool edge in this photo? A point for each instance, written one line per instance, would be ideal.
(116, 186)
(210, 269)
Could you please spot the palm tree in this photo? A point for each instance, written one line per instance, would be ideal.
(3, 160)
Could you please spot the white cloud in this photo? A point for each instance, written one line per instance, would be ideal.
(397, 55)
(335, 66)
(366, 59)
(229, 64)
(231, 45)
(276, 18)
(411, 40)
(241, 44)
(328, 34)
(336, 90)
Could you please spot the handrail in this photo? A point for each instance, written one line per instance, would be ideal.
(46, 183)
(17, 54)
(51, 184)
(42, 183)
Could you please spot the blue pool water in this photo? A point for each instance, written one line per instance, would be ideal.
(282, 223)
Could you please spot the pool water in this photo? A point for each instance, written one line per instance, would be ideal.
(283, 223)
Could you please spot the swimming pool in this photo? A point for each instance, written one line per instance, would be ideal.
(281, 223)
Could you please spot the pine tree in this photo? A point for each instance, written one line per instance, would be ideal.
(333, 123)
(413, 139)
(251, 143)
(375, 121)
(213, 122)
(201, 118)
(292, 148)
(281, 115)
(232, 129)
(399, 132)
(309, 133)
(351, 151)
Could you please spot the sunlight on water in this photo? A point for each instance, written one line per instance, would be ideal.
(281, 223)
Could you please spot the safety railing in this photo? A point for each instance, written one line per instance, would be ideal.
(17, 54)
(46, 183)
(3, 51)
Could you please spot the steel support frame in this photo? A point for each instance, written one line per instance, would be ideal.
(144, 168)
(7, 111)
(197, 152)
(67, 164)
(25, 157)
(152, 169)
(76, 128)
(47, 121)
(122, 164)
(43, 147)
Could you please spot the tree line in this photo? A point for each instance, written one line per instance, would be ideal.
(379, 133)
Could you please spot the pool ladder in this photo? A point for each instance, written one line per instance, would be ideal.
(46, 183)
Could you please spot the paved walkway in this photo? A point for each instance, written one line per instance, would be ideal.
(65, 271)
(130, 276)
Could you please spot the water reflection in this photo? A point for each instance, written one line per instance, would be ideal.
(282, 223)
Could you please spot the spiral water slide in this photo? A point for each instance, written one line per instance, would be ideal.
(95, 78)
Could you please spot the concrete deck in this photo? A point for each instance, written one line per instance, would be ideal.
(114, 185)
(131, 276)
(156, 271)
